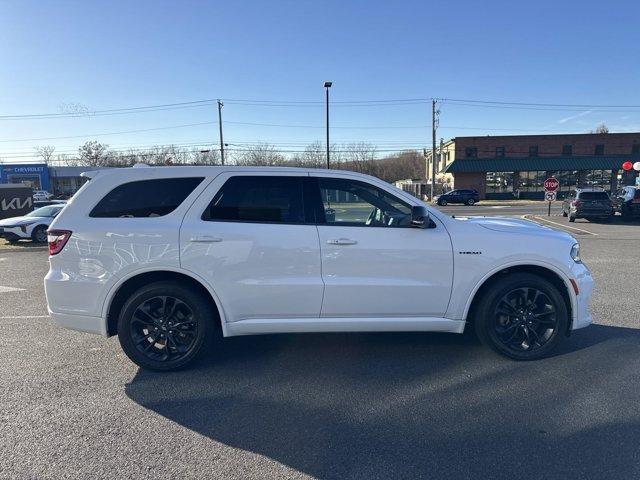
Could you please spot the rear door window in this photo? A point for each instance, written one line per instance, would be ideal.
(261, 199)
(594, 196)
(145, 198)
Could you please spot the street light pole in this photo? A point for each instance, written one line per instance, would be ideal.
(220, 104)
(327, 85)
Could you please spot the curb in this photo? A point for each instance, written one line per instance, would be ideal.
(29, 249)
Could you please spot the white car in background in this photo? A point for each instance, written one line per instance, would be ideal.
(33, 225)
(39, 195)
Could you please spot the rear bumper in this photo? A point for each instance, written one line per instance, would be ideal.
(81, 323)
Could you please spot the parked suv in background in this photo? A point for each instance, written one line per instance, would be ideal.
(468, 197)
(589, 203)
(169, 258)
(39, 195)
(627, 202)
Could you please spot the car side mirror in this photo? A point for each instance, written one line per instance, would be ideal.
(420, 217)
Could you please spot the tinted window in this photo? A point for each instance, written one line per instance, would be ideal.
(145, 198)
(258, 199)
(594, 196)
(353, 203)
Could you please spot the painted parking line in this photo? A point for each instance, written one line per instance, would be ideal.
(19, 317)
(561, 225)
(10, 289)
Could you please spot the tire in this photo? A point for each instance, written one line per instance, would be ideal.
(572, 218)
(442, 203)
(564, 214)
(536, 329)
(470, 202)
(155, 342)
(39, 234)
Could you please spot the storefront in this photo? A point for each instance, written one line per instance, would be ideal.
(34, 175)
(503, 178)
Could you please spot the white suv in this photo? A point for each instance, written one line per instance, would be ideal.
(171, 258)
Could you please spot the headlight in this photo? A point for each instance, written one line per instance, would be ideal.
(575, 253)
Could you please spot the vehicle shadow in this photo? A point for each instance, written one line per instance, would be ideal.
(414, 405)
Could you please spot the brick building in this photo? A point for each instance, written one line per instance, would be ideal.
(516, 166)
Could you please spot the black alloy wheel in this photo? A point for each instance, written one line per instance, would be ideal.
(524, 320)
(522, 316)
(163, 326)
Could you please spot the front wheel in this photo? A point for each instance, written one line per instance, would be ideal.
(164, 326)
(471, 201)
(522, 316)
(39, 234)
(442, 203)
(572, 218)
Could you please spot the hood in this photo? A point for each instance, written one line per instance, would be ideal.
(512, 225)
(17, 221)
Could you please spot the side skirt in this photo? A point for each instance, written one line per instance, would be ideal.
(256, 326)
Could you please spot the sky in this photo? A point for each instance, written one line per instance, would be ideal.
(268, 60)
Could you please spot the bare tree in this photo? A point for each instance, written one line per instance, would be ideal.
(93, 154)
(45, 152)
(360, 157)
(205, 157)
(602, 128)
(261, 154)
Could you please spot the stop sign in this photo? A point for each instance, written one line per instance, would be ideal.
(551, 184)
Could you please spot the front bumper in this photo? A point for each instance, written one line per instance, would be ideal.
(12, 233)
(582, 316)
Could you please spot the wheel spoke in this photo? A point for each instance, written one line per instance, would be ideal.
(152, 335)
(523, 319)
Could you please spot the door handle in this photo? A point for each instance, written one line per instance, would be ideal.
(205, 239)
(341, 241)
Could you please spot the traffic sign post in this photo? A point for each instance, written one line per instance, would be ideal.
(551, 184)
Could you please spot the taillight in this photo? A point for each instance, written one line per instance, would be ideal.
(57, 240)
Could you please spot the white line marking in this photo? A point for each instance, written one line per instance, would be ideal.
(10, 289)
(16, 317)
(565, 226)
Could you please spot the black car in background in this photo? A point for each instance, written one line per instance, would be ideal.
(627, 202)
(589, 203)
(468, 197)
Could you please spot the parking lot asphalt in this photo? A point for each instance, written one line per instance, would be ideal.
(328, 406)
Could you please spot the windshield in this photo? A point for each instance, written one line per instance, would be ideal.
(48, 211)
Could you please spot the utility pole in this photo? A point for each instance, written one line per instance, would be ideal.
(220, 104)
(327, 86)
(434, 126)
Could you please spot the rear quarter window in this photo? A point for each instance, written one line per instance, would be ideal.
(145, 198)
(593, 196)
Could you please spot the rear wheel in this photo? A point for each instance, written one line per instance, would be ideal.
(39, 234)
(564, 213)
(572, 218)
(471, 201)
(164, 326)
(522, 316)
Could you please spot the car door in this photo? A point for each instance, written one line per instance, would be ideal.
(454, 196)
(248, 236)
(374, 263)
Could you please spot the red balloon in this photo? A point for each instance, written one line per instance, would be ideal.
(627, 165)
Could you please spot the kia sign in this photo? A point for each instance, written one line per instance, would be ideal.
(551, 184)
